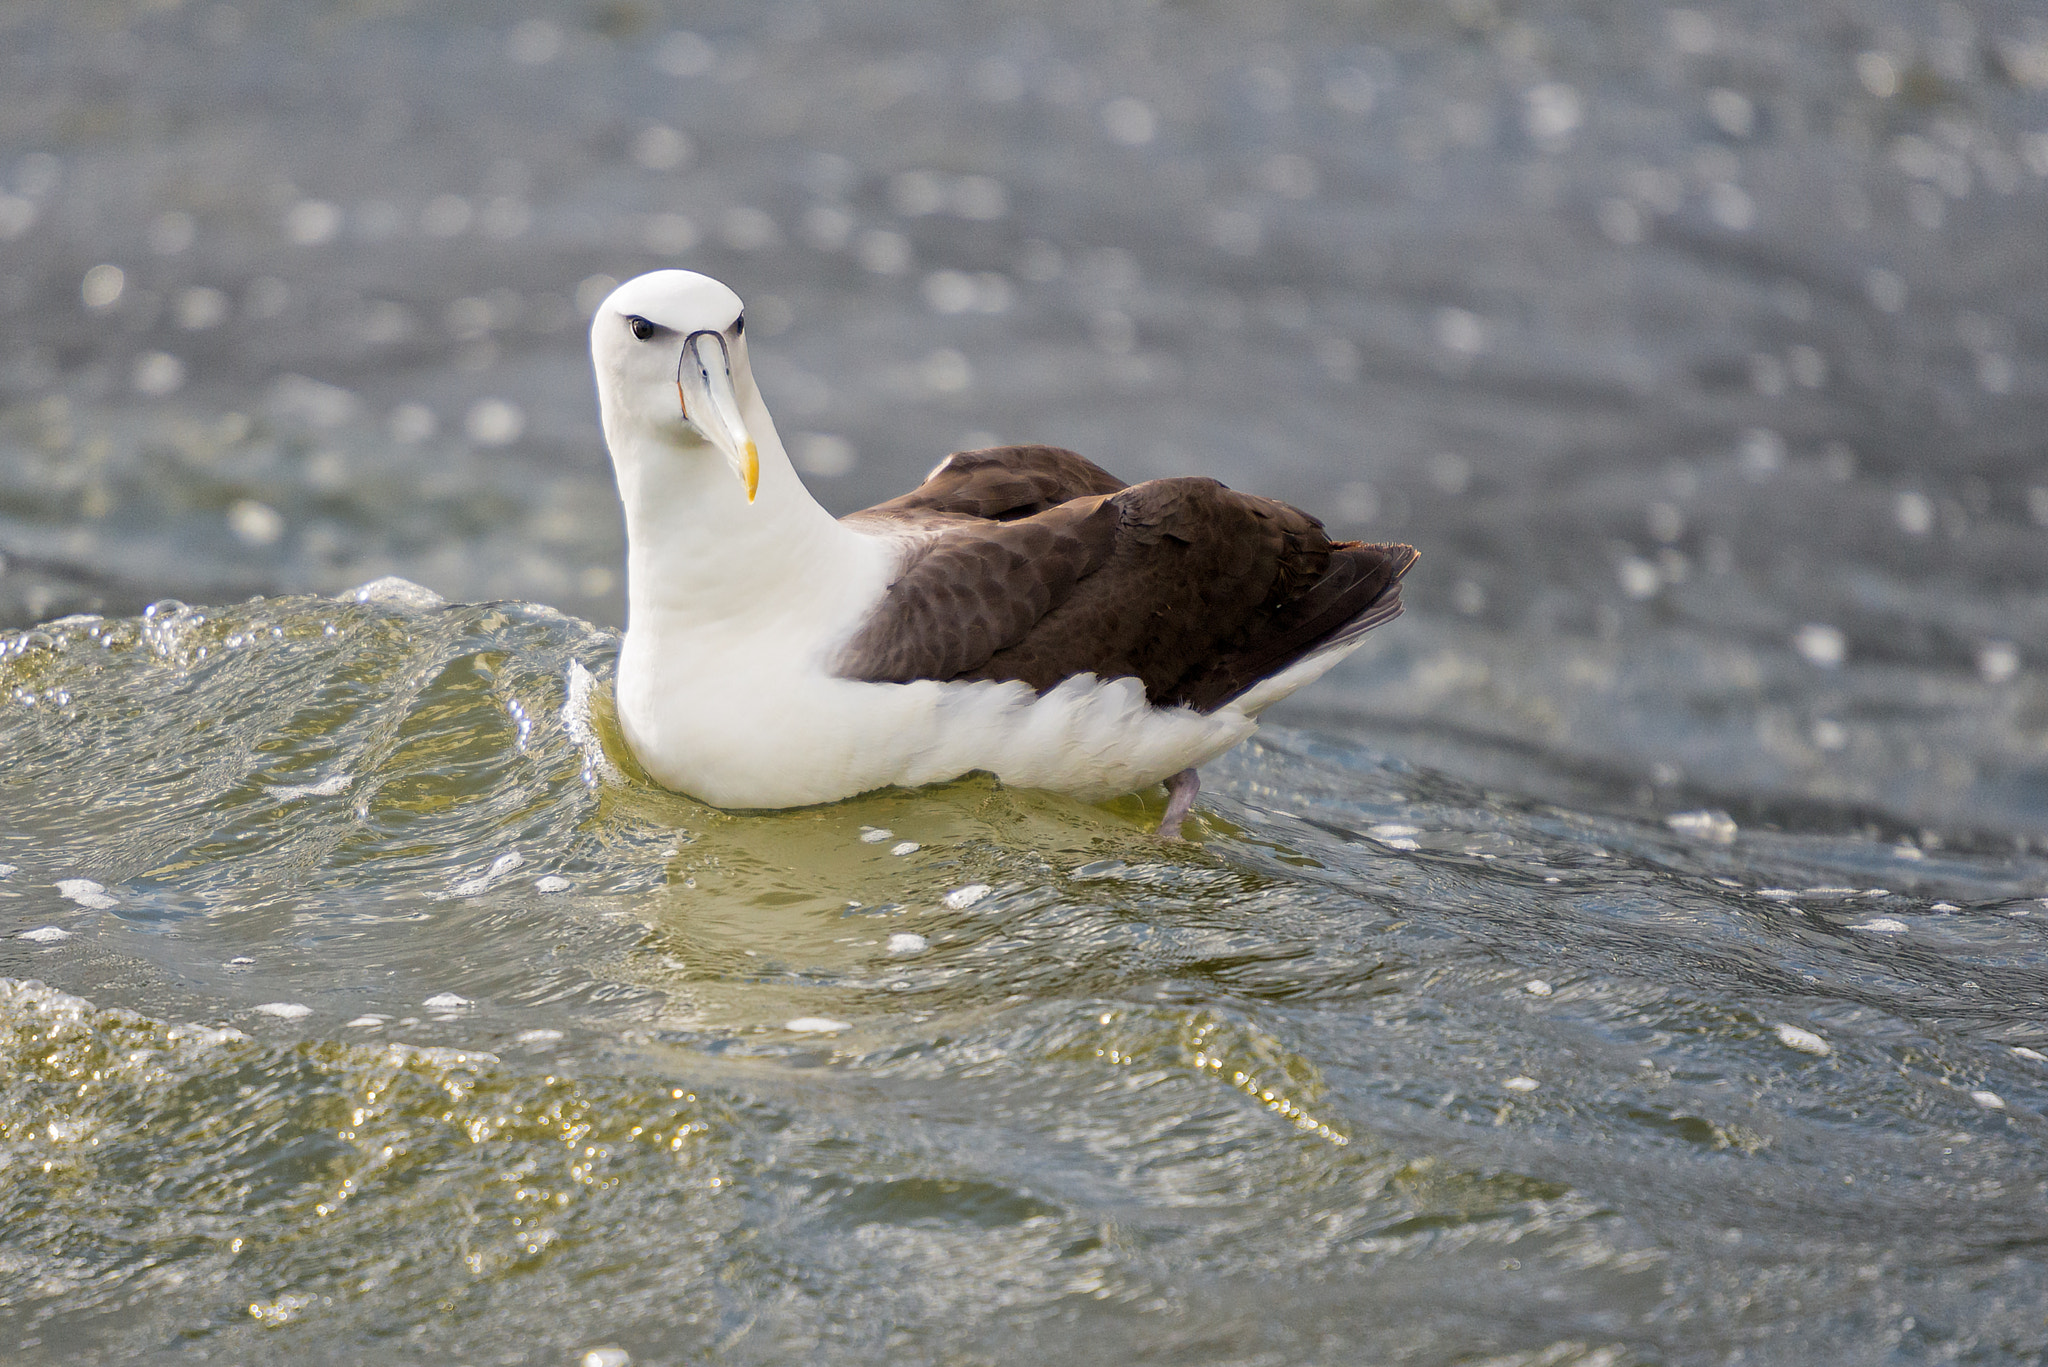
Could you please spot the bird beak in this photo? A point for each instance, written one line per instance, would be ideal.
(712, 405)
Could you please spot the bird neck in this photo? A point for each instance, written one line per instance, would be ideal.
(698, 554)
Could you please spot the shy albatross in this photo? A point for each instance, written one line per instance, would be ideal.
(1021, 612)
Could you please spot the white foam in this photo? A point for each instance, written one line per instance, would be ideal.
(205, 1036)
(553, 882)
(364, 1022)
(289, 1011)
(1536, 987)
(1521, 1084)
(1393, 832)
(908, 942)
(1944, 906)
(538, 1036)
(446, 1001)
(1882, 925)
(576, 722)
(7, 870)
(2034, 1054)
(959, 899)
(1990, 1101)
(1805, 1041)
(1716, 827)
(393, 592)
(815, 1025)
(874, 835)
(326, 787)
(905, 847)
(44, 935)
(1777, 894)
(502, 865)
(607, 1356)
(85, 892)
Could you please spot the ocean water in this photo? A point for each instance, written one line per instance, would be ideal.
(1638, 953)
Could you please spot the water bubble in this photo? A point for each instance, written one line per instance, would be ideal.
(1913, 512)
(157, 373)
(1881, 925)
(446, 215)
(1998, 662)
(494, 422)
(997, 81)
(312, 402)
(907, 942)
(825, 454)
(1729, 205)
(553, 882)
(1639, 578)
(266, 297)
(1352, 90)
(883, 252)
(1536, 987)
(172, 233)
(102, 287)
(1886, 289)
(658, 147)
(256, 524)
(915, 194)
(1129, 121)
(827, 227)
(874, 835)
(903, 847)
(38, 174)
(505, 217)
(1551, 113)
(1821, 644)
(1733, 112)
(683, 54)
(1459, 331)
(668, 235)
(747, 229)
(1289, 175)
(44, 935)
(534, 42)
(412, 423)
(1689, 31)
(1761, 453)
(1521, 1084)
(1808, 367)
(815, 1025)
(200, 307)
(1878, 73)
(1990, 1101)
(961, 898)
(1620, 221)
(446, 1001)
(312, 222)
(980, 199)
(289, 1011)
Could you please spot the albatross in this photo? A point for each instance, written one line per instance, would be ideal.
(1022, 612)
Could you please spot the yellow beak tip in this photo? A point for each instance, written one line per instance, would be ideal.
(753, 471)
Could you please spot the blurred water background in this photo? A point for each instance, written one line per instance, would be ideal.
(1635, 955)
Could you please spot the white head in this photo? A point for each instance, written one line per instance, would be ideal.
(671, 357)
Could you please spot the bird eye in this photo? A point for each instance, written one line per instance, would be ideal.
(641, 327)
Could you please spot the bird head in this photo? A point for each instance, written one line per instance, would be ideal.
(671, 358)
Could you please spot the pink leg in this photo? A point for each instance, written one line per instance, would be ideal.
(1180, 796)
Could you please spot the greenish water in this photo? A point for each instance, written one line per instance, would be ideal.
(1380, 1067)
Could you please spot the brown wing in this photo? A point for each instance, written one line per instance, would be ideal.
(1002, 483)
(1192, 588)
